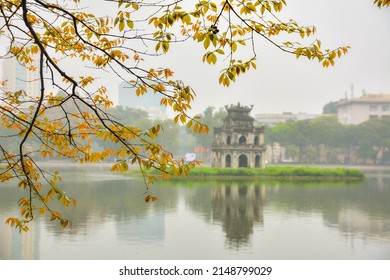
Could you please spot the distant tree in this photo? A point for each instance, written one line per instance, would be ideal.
(212, 119)
(325, 140)
(128, 115)
(330, 108)
(373, 139)
(49, 36)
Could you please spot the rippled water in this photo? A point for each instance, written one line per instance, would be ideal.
(207, 220)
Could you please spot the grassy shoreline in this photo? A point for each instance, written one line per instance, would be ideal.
(273, 172)
(301, 172)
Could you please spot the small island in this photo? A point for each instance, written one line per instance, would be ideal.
(282, 173)
(277, 172)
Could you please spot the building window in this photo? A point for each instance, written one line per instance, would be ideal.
(373, 107)
(242, 140)
(257, 161)
(242, 161)
(256, 142)
(228, 140)
(385, 108)
(228, 161)
(373, 116)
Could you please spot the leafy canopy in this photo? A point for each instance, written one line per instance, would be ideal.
(47, 37)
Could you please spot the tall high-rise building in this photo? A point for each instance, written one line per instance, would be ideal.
(18, 77)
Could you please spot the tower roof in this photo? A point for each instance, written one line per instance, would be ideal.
(239, 108)
(238, 117)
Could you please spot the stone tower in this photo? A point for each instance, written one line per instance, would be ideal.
(238, 143)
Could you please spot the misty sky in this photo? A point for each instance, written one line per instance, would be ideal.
(282, 83)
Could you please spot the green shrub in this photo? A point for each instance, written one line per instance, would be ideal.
(278, 171)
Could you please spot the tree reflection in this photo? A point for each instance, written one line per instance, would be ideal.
(115, 198)
(354, 208)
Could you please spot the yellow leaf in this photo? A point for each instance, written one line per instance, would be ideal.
(165, 46)
(121, 25)
(234, 46)
(206, 43)
(41, 211)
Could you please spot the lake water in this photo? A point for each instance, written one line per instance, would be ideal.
(207, 220)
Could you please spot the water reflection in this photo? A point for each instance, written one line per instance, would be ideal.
(210, 219)
(239, 207)
(13, 246)
(236, 206)
(357, 210)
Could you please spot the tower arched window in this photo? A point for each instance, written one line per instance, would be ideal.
(242, 140)
(228, 161)
(242, 161)
(257, 161)
(228, 140)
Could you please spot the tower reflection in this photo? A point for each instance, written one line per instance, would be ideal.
(239, 207)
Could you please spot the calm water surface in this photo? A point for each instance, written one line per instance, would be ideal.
(207, 220)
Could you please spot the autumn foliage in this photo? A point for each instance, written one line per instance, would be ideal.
(48, 36)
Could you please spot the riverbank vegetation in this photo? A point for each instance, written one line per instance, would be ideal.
(279, 171)
(274, 172)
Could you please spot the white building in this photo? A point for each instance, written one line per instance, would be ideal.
(285, 117)
(368, 106)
